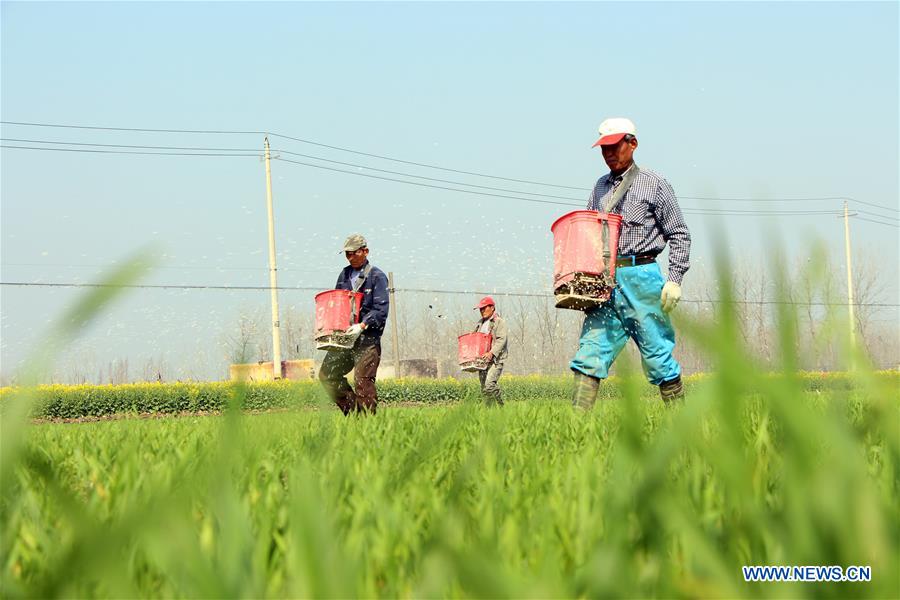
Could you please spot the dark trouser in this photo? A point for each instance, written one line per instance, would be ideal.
(363, 361)
(489, 378)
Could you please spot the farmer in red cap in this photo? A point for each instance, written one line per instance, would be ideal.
(640, 304)
(492, 324)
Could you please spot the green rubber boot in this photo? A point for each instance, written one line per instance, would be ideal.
(585, 391)
(672, 391)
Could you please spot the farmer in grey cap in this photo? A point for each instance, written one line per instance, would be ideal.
(359, 276)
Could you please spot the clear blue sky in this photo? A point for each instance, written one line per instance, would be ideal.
(736, 100)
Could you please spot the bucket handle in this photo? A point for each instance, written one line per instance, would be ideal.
(353, 307)
(604, 239)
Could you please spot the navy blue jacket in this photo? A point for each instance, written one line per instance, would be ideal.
(374, 310)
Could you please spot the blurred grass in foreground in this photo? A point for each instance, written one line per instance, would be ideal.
(532, 500)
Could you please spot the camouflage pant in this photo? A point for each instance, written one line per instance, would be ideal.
(489, 378)
(363, 361)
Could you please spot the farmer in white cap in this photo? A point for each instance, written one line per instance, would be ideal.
(491, 323)
(360, 276)
(643, 297)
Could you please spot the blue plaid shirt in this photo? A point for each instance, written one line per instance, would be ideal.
(650, 218)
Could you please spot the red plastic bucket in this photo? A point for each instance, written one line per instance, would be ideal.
(471, 347)
(336, 310)
(585, 241)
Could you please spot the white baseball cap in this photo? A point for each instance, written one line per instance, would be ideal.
(614, 129)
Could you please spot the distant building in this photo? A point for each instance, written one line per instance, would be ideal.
(411, 367)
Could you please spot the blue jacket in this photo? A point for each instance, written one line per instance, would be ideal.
(374, 310)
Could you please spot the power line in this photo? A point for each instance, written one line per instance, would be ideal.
(207, 149)
(546, 295)
(288, 137)
(86, 150)
(813, 199)
(428, 185)
(582, 202)
(868, 212)
(419, 164)
(135, 129)
(174, 267)
(879, 222)
(237, 288)
(409, 290)
(762, 213)
(791, 303)
(580, 205)
(428, 166)
(194, 148)
(486, 187)
(686, 210)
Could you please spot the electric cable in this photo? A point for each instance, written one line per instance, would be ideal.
(415, 163)
(405, 290)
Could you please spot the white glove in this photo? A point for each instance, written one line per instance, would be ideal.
(354, 330)
(671, 294)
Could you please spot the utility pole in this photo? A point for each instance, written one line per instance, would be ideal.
(850, 309)
(273, 280)
(395, 342)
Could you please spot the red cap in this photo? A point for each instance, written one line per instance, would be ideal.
(609, 140)
(486, 301)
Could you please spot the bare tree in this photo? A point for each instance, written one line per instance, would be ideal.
(155, 369)
(118, 371)
(869, 290)
(242, 346)
(547, 320)
(296, 334)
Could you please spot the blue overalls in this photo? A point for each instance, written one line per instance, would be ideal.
(634, 310)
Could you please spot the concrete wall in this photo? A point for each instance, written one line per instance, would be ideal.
(290, 369)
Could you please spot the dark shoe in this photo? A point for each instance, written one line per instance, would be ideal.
(493, 399)
(346, 401)
(672, 390)
(366, 407)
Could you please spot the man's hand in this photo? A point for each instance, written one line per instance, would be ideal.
(488, 356)
(354, 330)
(671, 294)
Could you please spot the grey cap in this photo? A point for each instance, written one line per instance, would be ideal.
(354, 243)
